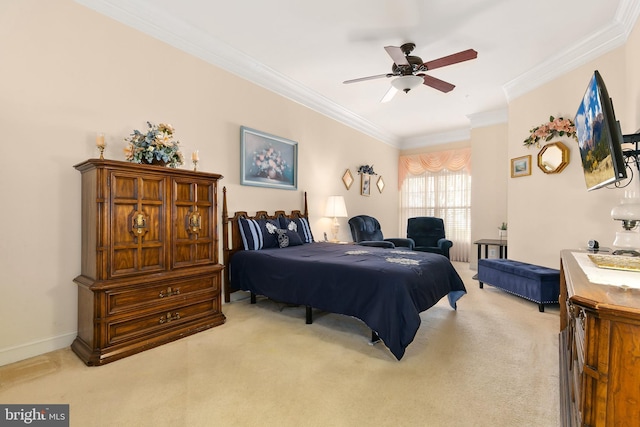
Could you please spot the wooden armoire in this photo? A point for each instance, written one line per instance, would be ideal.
(150, 271)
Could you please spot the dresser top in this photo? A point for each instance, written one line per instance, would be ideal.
(139, 167)
(597, 296)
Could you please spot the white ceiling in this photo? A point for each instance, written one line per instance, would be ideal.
(304, 50)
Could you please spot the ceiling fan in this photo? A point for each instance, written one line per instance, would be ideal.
(409, 70)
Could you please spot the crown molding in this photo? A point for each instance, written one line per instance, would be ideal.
(137, 14)
(141, 15)
(436, 138)
(488, 118)
(612, 36)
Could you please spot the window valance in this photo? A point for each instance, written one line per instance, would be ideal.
(417, 164)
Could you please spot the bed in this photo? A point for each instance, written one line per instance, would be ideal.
(385, 288)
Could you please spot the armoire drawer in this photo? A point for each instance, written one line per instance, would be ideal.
(126, 329)
(162, 293)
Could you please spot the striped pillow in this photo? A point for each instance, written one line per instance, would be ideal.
(299, 225)
(258, 234)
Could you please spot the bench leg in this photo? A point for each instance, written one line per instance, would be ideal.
(481, 285)
(309, 315)
(541, 307)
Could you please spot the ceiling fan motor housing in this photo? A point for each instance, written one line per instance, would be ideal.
(415, 65)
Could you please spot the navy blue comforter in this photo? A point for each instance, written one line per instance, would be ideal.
(385, 288)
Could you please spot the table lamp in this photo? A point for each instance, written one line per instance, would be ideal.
(628, 211)
(335, 209)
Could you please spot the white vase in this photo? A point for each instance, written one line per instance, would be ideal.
(502, 234)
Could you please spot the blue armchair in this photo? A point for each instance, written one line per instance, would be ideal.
(428, 234)
(366, 231)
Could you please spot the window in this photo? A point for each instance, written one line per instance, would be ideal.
(444, 194)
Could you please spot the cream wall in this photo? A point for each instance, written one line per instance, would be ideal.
(489, 171)
(548, 213)
(69, 72)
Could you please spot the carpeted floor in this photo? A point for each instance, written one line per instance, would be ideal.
(493, 362)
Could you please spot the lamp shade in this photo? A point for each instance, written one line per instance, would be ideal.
(406, 83)
(336, 207)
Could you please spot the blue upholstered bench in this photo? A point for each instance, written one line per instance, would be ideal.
(533, 282)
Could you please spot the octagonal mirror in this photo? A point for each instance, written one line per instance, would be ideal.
(553, 157)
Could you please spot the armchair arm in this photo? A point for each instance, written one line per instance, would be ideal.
(377, 244)
(402, 242)
(445, 243)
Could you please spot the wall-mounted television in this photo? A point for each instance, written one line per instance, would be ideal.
(599, 137)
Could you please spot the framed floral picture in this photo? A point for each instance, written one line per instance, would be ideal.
(521, 166)
(267, 160)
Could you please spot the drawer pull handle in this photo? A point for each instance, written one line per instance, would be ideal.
(169, 292)
(194, 222)
(169, 317)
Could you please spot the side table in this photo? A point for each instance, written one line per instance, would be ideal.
(501, 243)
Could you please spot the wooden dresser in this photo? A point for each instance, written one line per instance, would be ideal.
(599, 350)
(149, 267)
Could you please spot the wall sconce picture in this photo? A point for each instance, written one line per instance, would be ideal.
(365, 187)
(380, 184)
(347, 178)
(521, 166)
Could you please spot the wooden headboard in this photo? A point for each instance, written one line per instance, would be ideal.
(232, 241)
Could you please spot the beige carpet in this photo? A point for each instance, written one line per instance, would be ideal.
(493, 362)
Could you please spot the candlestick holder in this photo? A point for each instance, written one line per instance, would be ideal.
(101, 148)
(195, 165)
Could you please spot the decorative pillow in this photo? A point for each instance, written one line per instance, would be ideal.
(288, 238)
(258, 233)
(299, 225)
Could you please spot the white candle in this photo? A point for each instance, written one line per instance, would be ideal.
(194, 156)
(100, 140)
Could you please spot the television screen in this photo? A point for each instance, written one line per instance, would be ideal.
(599, 137)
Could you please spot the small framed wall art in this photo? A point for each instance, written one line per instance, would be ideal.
(365, 185)
(347, 179)
(521, 166)
(380, 184)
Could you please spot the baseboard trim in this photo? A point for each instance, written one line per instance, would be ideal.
(35, 348)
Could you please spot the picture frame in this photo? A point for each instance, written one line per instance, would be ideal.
(347, 179)
(267, 160)
(521, 166)
(365, 184)
(380, 184)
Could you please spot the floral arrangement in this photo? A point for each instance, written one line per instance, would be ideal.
(366, 169)
(503, 226)
(269, 163)
(154, 146)
(555, 127)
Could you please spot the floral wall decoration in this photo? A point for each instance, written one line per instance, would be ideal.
(555, 127)
(366, 169)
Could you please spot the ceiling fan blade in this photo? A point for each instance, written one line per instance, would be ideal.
(390, 94)
(361, 79)
(441, 85)
(397, 55)
(465, 55)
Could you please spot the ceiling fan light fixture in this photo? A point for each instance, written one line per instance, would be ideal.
(406, 83)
